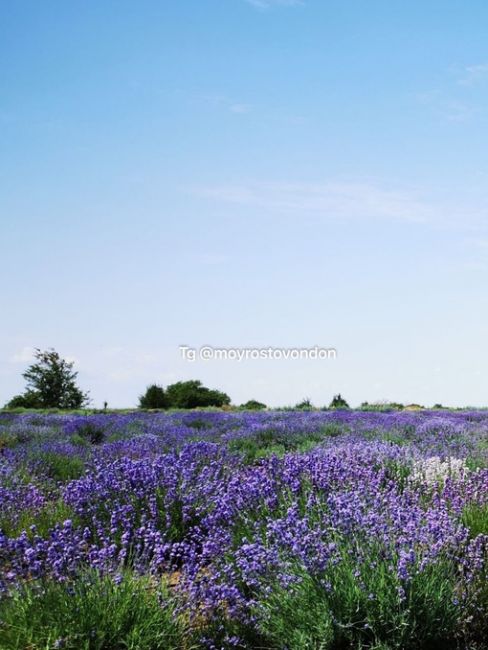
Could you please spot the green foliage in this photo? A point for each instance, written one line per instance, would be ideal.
(44, 520)
(397, 472)
(198, 423)
(251, 448)
(381, 406)
(273, 443)
(341, 609)
(59, 467)
(8, 440)
(338, 402)
(29, 400)
(475, 518)
(92, 613)
(332, 430)
(253, 405)
(192, 394)
(153, 398)
(297, 617)
(91, 432)
(51, 383)
(370, 611)
(304, 405)
(353, 605)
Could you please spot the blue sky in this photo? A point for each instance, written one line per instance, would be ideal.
(247, 173)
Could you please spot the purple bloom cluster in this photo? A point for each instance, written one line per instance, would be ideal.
(171, 494)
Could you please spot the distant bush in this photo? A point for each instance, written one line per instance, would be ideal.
(192, 394)
(153, 398)
(304, 405)
(381, 406)
(253, 405)
(338, 402)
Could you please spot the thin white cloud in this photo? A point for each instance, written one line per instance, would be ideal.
(268, 4)
(473, 74)
(447, 108)
(331, 199)
(224, 102)
(355, 200)
(240, 108)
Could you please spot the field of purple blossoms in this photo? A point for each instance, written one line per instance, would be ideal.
(280, 529)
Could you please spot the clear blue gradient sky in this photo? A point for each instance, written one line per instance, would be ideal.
(247, 173)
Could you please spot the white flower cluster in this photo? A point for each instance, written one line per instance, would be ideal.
(434, 469)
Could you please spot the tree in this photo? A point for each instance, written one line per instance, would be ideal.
(338, 402)
(51, 383)
(153, 398)
(192, 394)
(253, 405)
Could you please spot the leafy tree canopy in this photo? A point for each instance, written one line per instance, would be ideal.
(51, 383)
(154, 398)
(192, 394)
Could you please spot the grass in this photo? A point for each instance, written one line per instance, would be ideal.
(308, 615)
(475, 518)
(340, 609)
(60, 467)
(297, 617)
(276, 443)
(44, 520)
(92, 613)
(8, 441)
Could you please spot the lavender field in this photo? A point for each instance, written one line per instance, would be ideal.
(279, 529)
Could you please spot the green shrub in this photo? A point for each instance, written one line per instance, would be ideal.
(305, 405)
(192, 394)
(91, 432)
(154, 398)
(253, 405)
(59, 467)
(338, 402)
